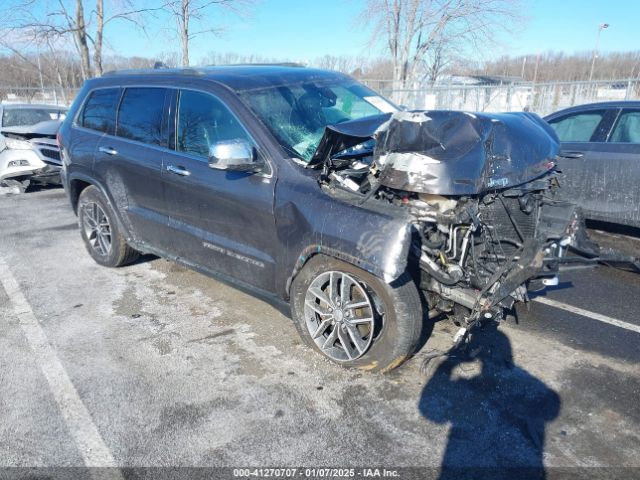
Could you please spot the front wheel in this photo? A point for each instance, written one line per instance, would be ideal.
(354, 318)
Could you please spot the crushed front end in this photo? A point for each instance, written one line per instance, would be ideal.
(478, 255)
(480, 192)
(30, 154)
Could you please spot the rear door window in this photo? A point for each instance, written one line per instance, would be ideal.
(578, 127)
(627, 128)
(99, 112)
(202, 121)
(140, 115)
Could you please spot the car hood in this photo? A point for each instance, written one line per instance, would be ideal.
(47, 128)
(449, 153)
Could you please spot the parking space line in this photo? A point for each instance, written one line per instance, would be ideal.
(85, 433)
(586, 313)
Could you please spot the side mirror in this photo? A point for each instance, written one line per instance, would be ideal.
(235, 155)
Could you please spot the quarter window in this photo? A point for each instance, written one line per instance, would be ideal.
(627, 129)
(579, 127)
(100, 110)
(140, 115)
(202, 121)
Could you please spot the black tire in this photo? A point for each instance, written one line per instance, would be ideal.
(119, 252)
(397, 330)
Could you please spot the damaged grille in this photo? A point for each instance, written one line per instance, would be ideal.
(52, 154)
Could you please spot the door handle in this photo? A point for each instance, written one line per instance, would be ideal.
(566, 154)
(108, 150)
(183, 172)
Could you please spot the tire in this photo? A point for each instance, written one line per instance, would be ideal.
(396, 310)
(101, 231)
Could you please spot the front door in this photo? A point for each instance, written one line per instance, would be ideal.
(583, 134)
(221, 220)
(616, 169)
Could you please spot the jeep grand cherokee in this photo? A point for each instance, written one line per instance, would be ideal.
(306, 186)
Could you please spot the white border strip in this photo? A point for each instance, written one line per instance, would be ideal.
(587, 313)
(85, 433)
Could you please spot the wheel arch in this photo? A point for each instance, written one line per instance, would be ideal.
(76, 186)
(79, 182)
(377, 270)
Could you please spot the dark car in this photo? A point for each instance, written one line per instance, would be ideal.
(311, 190)
(602, 164)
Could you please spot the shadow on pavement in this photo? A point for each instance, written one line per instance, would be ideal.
(144, 258)
(497, 411)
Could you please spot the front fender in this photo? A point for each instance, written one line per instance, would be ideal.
(374, 239)
(376, 243)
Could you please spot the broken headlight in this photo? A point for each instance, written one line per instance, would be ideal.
(15, 144)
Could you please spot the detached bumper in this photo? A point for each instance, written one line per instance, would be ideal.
(47, 174)
(19, 163)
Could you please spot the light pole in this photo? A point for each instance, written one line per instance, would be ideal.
(595, 51)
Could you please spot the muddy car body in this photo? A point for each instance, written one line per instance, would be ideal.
(305, 186)
(601, 168)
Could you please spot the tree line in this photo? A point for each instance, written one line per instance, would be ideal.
(559, 66)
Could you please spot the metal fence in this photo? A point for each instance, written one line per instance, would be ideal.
(47, 95)
(542, 98)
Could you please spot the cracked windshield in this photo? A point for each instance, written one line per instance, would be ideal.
(298, 114)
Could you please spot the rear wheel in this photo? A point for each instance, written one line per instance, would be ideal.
(100, 230)
(354, 318)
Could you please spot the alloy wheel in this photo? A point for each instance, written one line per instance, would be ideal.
(339, 315)
(97, 228)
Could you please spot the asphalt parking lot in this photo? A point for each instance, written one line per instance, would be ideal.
(156, 365)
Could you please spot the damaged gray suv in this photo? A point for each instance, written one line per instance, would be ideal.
(305, 186)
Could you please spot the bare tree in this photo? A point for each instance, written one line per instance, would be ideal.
(39, 22)
(227, 58)
(554, 66)
(436, 60)
(341, 63)
(190, 16)
(412, 29)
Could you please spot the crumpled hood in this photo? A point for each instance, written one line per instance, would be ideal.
(450, 153)
(47, 128)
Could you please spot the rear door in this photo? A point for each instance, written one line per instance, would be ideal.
(585, 132)
(130, 163)
(220, 220)
(96, 118)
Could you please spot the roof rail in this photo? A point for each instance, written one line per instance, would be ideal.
(259, 64)
(154, 70)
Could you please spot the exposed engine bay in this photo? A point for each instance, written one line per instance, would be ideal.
(480, 190)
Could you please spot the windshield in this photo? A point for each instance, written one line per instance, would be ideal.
(298, 114)
(22, 117)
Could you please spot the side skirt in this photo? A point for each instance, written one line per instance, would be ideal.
(270, 298)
